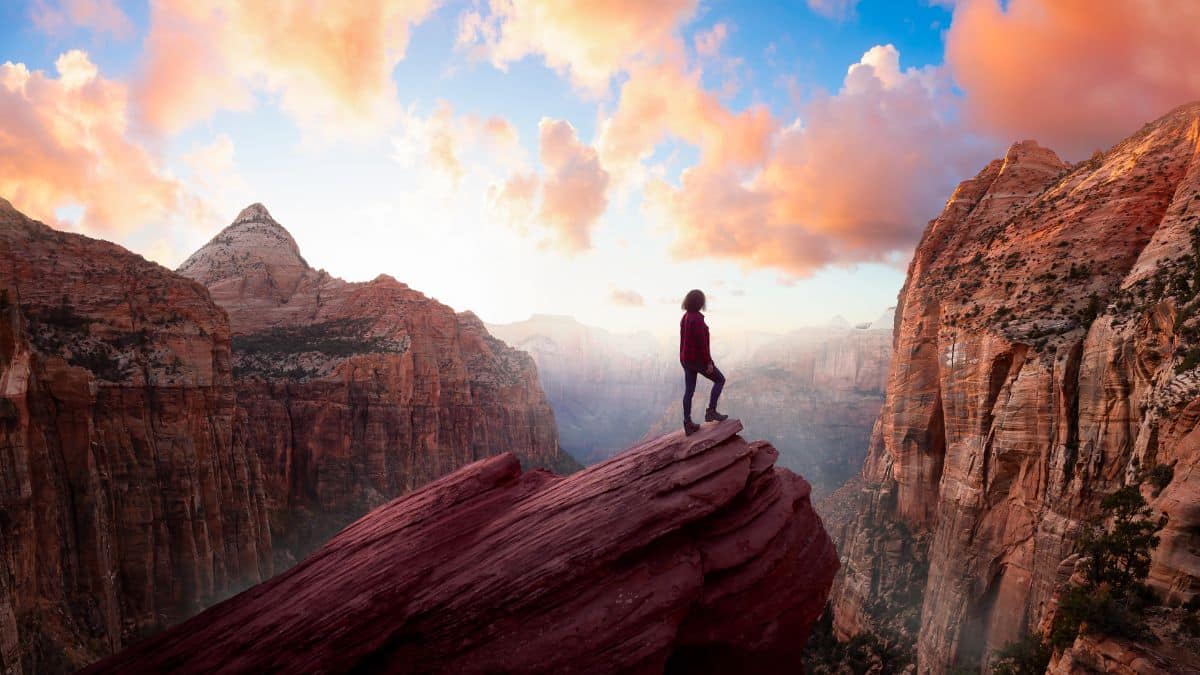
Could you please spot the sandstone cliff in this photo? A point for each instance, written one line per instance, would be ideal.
(127, 498)
(684, 555)
(1046, 354)
(355, 393)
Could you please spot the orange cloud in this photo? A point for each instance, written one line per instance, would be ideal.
(587, 40)
(1077, 75)
(101, 16)
(329, 65)
(574, 189)
(663, 100)
(65, 143)
(854, 179)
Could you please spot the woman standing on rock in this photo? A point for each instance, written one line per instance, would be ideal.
(696, 360)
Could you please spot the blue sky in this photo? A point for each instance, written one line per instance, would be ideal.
(541, 156)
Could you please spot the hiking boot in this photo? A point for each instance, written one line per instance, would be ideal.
(711, 415)
(690, 427)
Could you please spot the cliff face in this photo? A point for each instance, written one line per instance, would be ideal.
(1046, 355)
(357, 392)
(686, 555)
(127, 498)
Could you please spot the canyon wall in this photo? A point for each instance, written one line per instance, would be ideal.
(1046, 354)
(128, 500)
(355, 393)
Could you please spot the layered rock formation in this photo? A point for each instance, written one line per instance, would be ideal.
(1046, 355)
(128, 500)
(680, 555)
(355, 393)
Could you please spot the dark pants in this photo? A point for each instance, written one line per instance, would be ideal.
(689, 387)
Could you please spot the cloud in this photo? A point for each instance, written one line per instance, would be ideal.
(65, 142)
(833, 9)
(1076, 75)
(663, 100)
(708, 43)
(328, 65)
(442, 140)
(588, 41)
(101, 16)
(627, 298)
(852, 180)
(514, 199)
(574, 188)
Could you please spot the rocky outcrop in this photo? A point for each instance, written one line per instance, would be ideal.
(1046, 355)
(679, 555)
(355, 393)
(127, 498)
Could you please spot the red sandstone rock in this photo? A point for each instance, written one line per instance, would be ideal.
(682, 554)
(1010, 412)
(355, 393)
(127, 499)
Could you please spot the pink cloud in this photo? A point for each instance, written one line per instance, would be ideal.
(663, 100)
(853, 180)
(833, 9)
(330, 65)
(708, 43)
(574, 188)
(588, 41)
(1077, 75)
(66, 142)
(102, 16)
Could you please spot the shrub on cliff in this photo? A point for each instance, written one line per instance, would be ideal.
(1113, 598)
(1028, 656)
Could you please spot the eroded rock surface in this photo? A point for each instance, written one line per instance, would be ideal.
(128, 500)
(1046, 355)
(355, 393)
(679, 555)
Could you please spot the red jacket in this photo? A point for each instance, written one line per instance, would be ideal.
(693, 340)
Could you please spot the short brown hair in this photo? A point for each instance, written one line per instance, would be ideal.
(694, 300)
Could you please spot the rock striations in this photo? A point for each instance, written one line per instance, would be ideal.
(128, 500)
(355, 393)
(679, 555)
(1046, 355)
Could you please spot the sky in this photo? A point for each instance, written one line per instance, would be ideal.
(595, 158)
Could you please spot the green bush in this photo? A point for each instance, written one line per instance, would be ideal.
(1113, 599)
(1028, 656)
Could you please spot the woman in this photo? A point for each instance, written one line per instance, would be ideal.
(696, 360)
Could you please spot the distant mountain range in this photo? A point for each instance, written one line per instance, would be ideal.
(814, 392)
